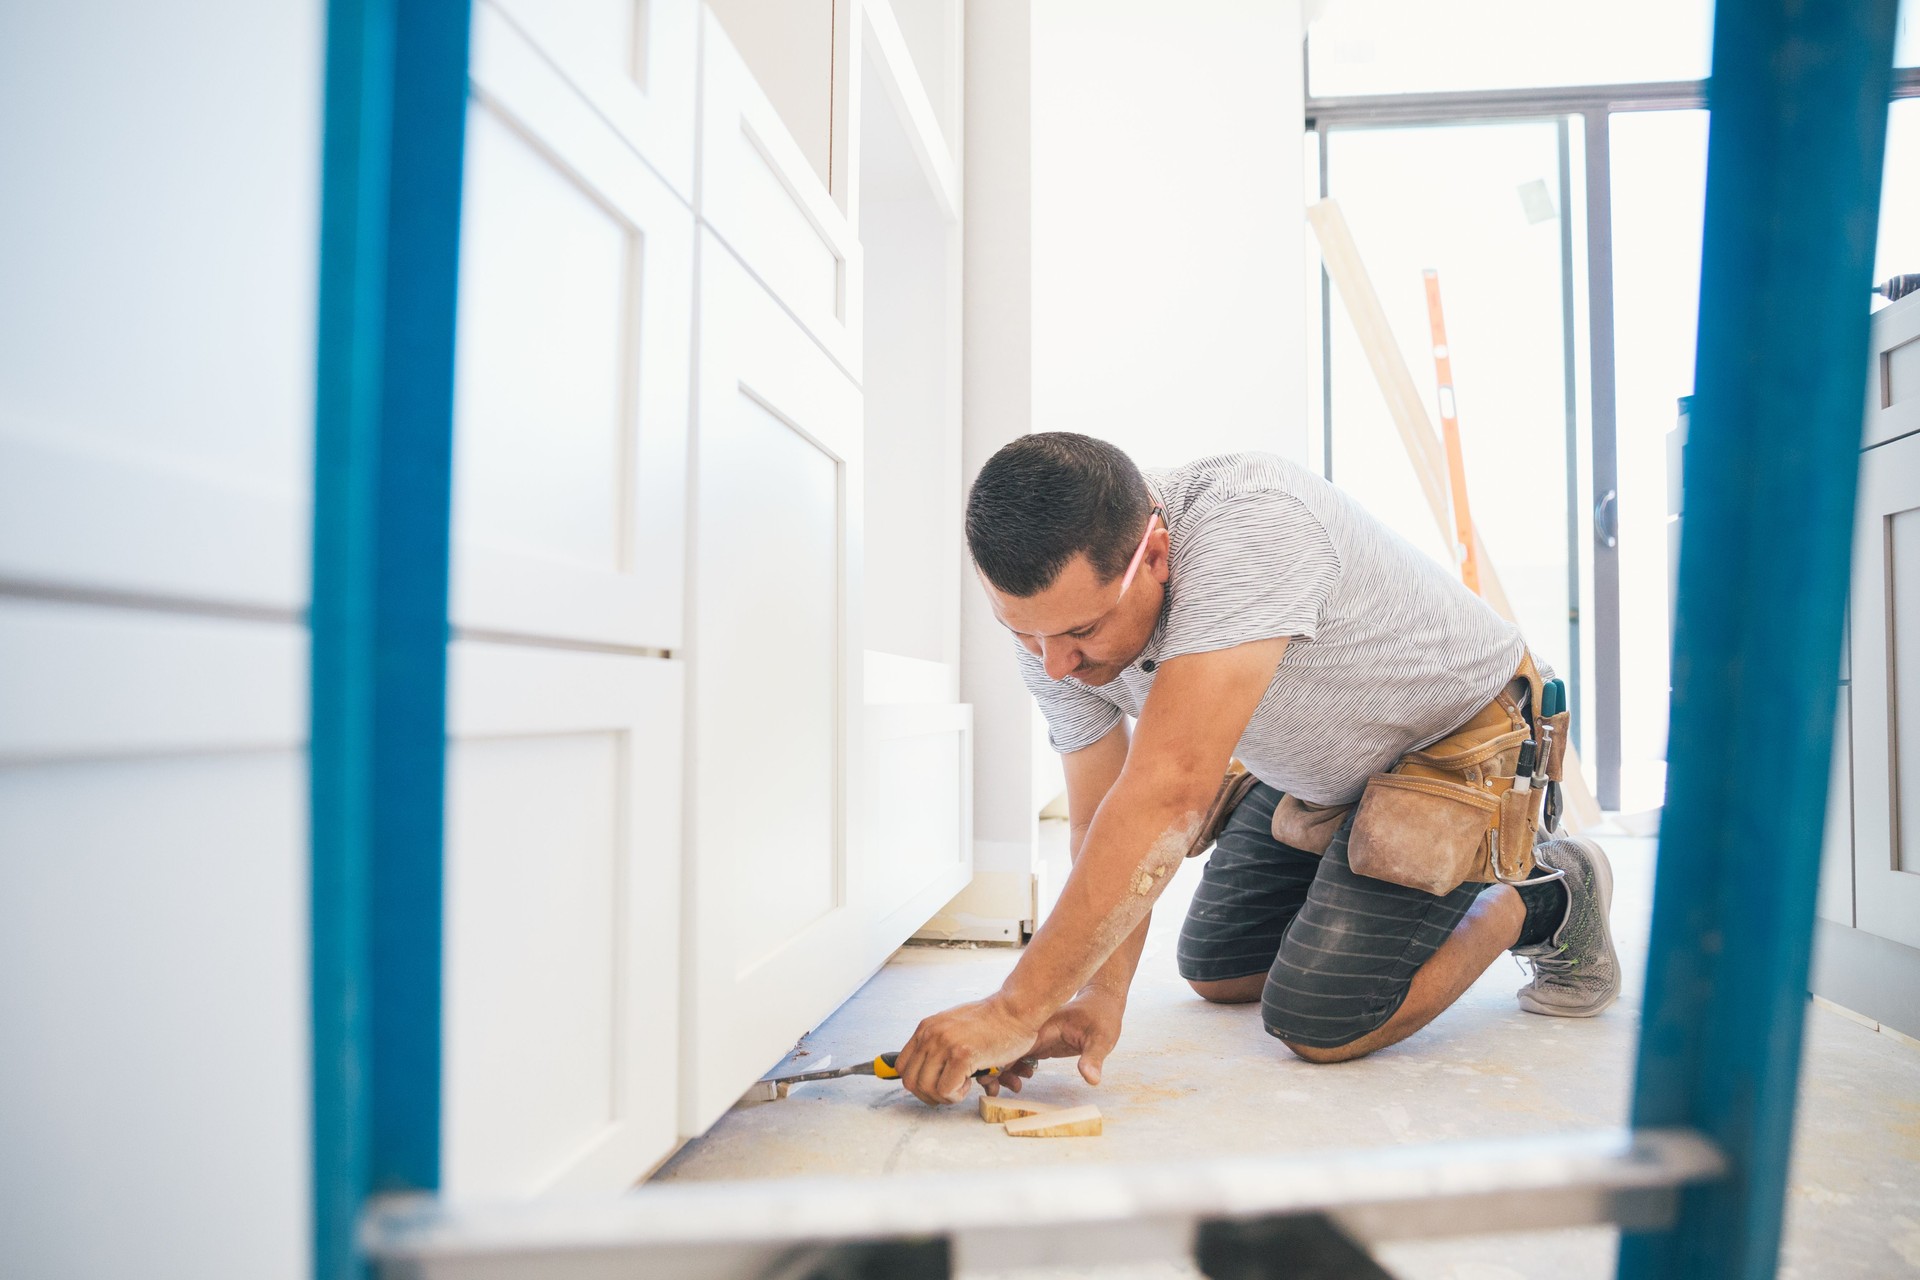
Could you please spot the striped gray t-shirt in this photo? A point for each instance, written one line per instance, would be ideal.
(1388, 651)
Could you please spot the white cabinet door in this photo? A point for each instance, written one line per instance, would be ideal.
(154, 1001)
(777, 940)
(634, 60)
(562, 910)
(1885, 614)
(157, 290)
(1893, 375)
(763, 198)
(573, 365)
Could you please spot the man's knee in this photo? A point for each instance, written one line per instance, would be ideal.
(1339, 1053)
(1303, 1025)
(1230, 990)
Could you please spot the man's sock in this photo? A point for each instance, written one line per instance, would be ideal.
(1546, 906)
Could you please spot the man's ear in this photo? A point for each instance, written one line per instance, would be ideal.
(1159, 557)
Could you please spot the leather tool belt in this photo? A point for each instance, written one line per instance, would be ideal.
(1447, 814)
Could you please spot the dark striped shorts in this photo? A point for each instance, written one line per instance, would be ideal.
(1339, 949)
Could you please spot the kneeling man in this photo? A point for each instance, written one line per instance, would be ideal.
(1240, 606)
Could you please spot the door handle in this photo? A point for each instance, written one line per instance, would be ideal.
(1606, 519)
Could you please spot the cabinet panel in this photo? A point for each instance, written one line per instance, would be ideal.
(87, 680)
(1886, 693)
(1893, 376)
(918, 837)
(775, 944)
(156, 341)
(786, 872)
(759, 193)
(562, 908)
(571, 400)
(634, 60)
(153, 942)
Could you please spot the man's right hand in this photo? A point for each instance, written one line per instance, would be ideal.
(1087, 1027)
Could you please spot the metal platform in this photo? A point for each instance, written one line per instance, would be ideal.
(1225, 1216)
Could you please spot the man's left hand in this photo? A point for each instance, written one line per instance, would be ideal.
(938, 1063)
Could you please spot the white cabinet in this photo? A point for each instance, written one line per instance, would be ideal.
(158, 268)
(153, 940)
(157, 297)
(1886, 692)
(830, 810)
(565, 769)
(775, 942)
(563, 908)
(917, 843)
(1867, 939)
(574, 342)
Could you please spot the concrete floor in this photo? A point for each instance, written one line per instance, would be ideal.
(1191, 1079)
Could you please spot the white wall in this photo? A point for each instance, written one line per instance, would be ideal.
(1167, 190)
(1133, 271)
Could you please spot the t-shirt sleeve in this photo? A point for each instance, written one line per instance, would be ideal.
(1076, 716)
(1249, 567)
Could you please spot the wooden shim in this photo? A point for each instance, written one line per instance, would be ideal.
(1074, 1122)
(1408, 409)
(1008, 1106)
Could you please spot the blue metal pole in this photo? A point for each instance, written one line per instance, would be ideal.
(1799, 103)
(390, 223)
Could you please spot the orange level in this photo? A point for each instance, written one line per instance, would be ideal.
(1463, 554)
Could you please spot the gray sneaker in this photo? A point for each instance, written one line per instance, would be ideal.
(1576, 973)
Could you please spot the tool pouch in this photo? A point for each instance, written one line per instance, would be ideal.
(1305, 825)
(1448, 813)
(1233, 789)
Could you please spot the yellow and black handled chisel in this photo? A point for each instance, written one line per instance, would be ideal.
(881, 1067)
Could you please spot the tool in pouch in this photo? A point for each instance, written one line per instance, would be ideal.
(1462, 809)
(881, 1067)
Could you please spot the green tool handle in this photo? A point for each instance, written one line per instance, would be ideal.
(1553, 698)
(883, 1066)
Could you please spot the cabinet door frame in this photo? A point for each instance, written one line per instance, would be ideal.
(652, 104)
(639, 603)
(736, 1026)
(1896, 360)
(1886, 900)
(524, 691)
(759, 194)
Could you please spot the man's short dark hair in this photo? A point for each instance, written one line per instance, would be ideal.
(1048, 497)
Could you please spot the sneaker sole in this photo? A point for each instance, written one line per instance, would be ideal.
(1603, 883)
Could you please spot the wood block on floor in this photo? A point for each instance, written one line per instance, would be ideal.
(1009, 1106)
(1074, 1122)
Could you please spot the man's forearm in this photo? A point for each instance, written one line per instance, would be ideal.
(1115, 975)
(1135, 844)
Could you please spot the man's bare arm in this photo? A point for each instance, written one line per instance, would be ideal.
(1091, 774)
(1199, 706)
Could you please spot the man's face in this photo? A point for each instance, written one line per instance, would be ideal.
(1083, 627)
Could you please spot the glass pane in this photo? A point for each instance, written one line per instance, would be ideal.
(1898, 252)
(1659, 166)
(1906, 40)
(1479, 204)
(1426, 46)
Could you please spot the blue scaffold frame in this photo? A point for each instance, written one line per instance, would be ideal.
(392, 158)
(1798, 103)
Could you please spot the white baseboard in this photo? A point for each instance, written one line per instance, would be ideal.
(996, 907)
